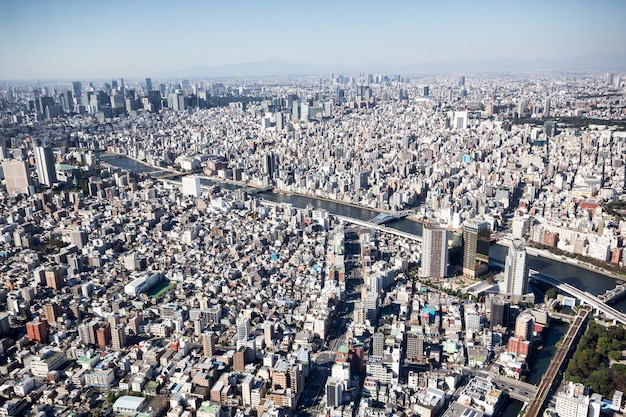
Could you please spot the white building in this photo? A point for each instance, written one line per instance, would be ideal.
(191, 186)
(516, 270)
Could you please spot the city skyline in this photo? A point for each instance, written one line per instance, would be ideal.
(70, 39)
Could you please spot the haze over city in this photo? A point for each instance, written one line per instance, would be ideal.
(290, 209)
(85, 39)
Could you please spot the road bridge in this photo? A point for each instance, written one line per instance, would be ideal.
(583, 296)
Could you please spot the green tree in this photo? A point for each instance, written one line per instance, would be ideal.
(551, 293)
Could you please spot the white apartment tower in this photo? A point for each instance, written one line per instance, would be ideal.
(435, 252)
(516, 269)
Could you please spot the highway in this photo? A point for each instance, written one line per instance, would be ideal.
(584, 296)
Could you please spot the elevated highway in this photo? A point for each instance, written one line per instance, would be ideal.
(585, 297)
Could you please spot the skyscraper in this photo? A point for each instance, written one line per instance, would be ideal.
(18, 180)
(476, 237)
(516, 269)
(435, 252)
(44, 162)
(148, 84)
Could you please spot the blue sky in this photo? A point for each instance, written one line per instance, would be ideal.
(135, 38)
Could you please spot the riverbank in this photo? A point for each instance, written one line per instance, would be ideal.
(542, 253)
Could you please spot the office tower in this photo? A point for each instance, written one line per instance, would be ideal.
(550, 128)
(476, 236)
(516, 269)
(546, 107)
(334, 392)
(148, 84)
(378, 344)
(208, 344)
(44, 162)
(52, 311)
(499, 314)
(426, 91)
(67, 101)
(269, 164)
(414, 347)
(461, 81)
(77, 89)
(243, 328)
(435, 252)
(191, 186)
(38, 330)
(118, 337)
(54, 278)
(361, 180)
(17, 177)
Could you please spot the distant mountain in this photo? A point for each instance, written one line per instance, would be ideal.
(277, 67)
(267, 68)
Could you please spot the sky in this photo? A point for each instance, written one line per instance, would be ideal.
(135, 38)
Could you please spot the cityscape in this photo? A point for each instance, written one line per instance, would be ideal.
(315, 232)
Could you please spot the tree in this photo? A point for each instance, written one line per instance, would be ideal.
(551, 293)
(615, 355)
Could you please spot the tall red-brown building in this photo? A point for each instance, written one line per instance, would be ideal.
(103, 335)
(38, 330)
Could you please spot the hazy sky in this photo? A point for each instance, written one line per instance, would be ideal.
(134, 38)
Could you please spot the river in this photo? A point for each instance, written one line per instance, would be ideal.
(581, 278)
(584, 279)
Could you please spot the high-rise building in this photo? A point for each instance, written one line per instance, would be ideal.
(38, 330)
(516, 269)
(148, 84)
(208, 344)
(435, 252)
(370, 306)
(243, 328)
(499, 314)
(546, 107)
(191, 186)
(334, 392)
(54, 278)
(414, 347)
(378, 344)
(77, 89)
(52, 311)
(17, 177)
(268, 333)
(103, 335)
(239, 359)
(44, 162)
(524, 326)
(476, 236)
(118, 337)
(87, 332)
